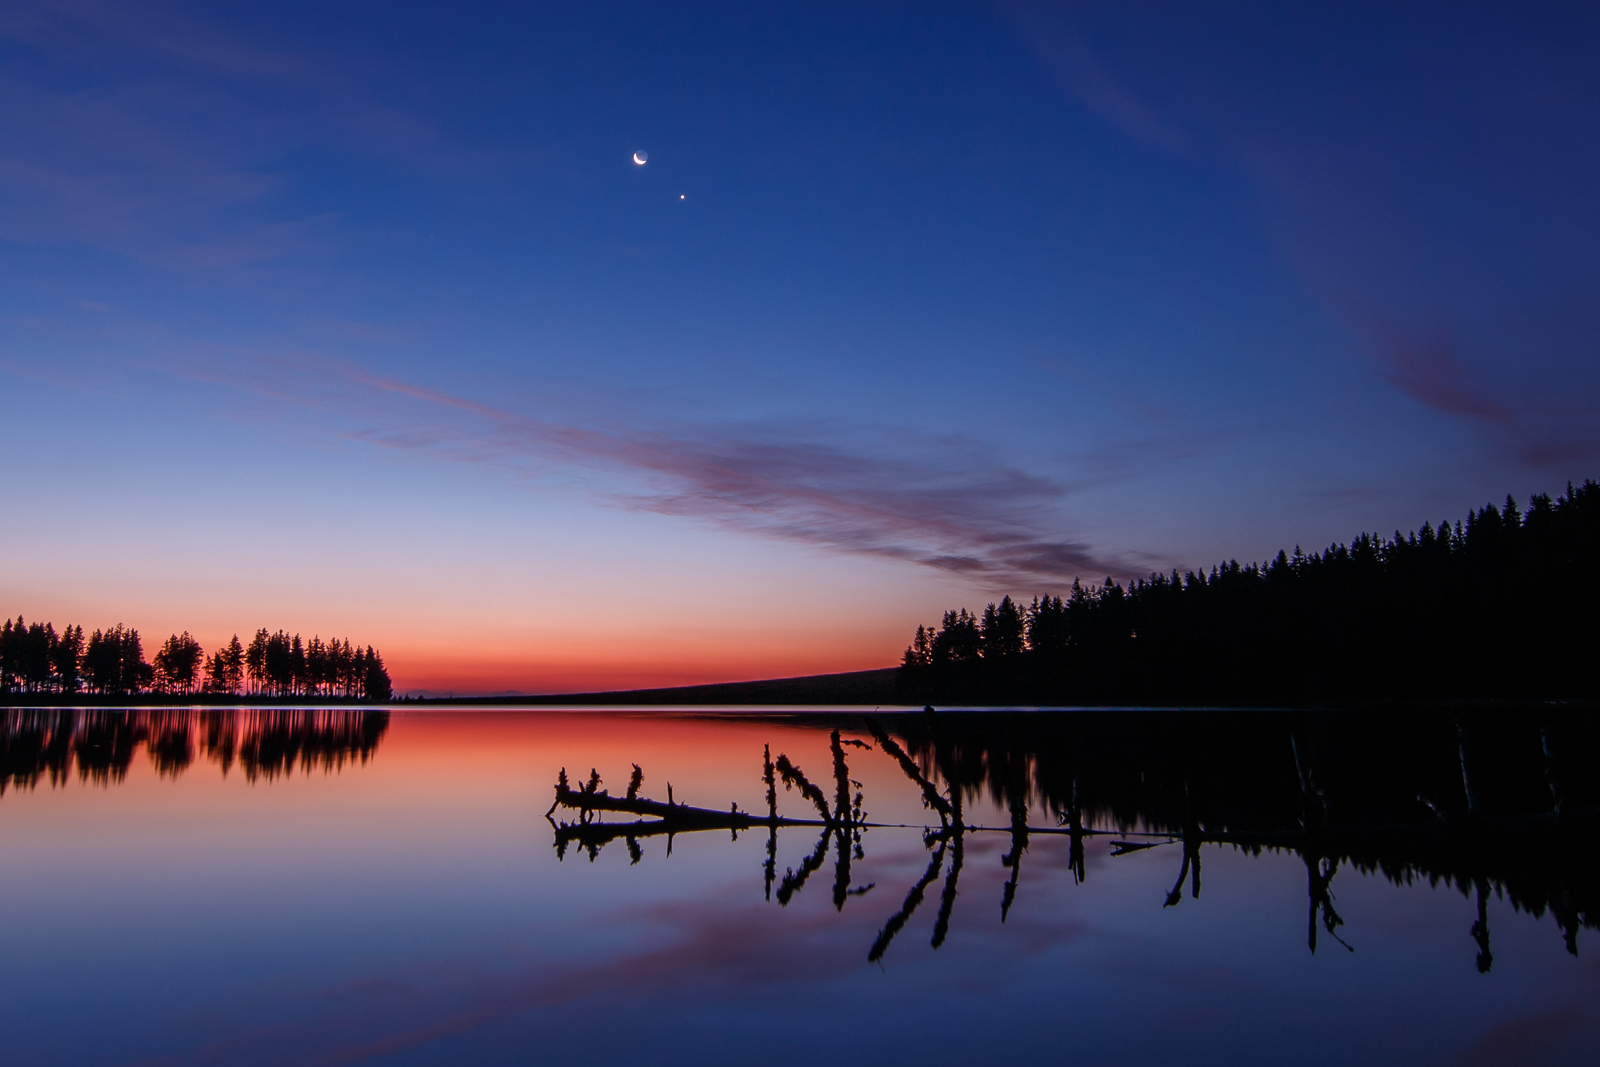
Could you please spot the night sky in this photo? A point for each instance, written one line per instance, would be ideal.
(359, 319)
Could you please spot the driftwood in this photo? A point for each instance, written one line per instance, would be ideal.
(672, 816)
(912, 902)
(947, 899)
(1013, 859)
(931, 797)
(794, 777)
(793, 880)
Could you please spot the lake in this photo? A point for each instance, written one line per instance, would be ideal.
(362, 886)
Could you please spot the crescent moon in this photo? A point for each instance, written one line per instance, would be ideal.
(641, 158)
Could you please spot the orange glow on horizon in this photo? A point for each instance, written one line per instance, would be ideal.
(444, 649)
(467, 674)
(588, 659)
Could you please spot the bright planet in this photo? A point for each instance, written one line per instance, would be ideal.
(641, 158)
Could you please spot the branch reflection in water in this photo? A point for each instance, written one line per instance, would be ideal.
(1491, 803)
(39, 745)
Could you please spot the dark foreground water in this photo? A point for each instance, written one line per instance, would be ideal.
(1136, 887)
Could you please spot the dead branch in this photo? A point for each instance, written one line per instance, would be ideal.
(931, 797)
(912, 902)
(794, 777)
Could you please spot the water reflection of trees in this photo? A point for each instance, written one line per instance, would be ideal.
(1502, 805)
(99, 746)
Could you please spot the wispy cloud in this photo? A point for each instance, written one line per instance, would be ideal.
(1427, 370)
(1061, 51)
(946, 503)
(1554, 1035)
(144, 132)
(1468, 238)
(1539, 430)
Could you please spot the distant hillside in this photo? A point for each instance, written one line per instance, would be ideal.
(851, 687)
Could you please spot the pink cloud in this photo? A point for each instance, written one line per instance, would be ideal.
(946, 503)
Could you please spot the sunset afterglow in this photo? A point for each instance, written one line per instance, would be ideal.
(555, 349)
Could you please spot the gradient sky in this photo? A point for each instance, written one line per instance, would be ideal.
(358, 318)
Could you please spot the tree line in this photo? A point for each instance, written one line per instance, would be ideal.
(35, 658)
(1504, 605)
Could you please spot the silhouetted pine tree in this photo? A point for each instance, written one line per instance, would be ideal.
(177, 664)
(375, 679)
(65, 659)
(225, 669)
(1003, 630)
(255, 661)
(8, 658)
(113, 662)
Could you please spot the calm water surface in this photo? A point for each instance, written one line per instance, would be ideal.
(358, 886)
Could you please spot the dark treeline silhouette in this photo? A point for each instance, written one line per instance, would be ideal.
(1500, 606)
(35, 659)
(277, 663)
(1492, 804)
(38, 745)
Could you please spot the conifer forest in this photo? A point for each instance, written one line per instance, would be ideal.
(36, 659)
(1503, 605)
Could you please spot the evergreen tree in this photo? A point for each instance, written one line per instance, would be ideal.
(958, 639)
(297, 667)
(113, 662)
(10, 655)
(920, 652)
(102, 660)
(136, 674)
(255, 661)
(177, 664)
(1002, 630)
(279, 666)
(38, 642)
(232, 675)
(345, 670)
(65, 659)
(375, 681)
(316, 665)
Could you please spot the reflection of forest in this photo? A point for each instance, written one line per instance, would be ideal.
(1503, 804)
(49, 745)
(1494, 804)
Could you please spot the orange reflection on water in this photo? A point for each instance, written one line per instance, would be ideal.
(710, 759)
(130, 758)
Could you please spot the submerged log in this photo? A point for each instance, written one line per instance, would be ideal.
(672, 815)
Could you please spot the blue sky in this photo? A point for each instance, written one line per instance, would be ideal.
(359, 316)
